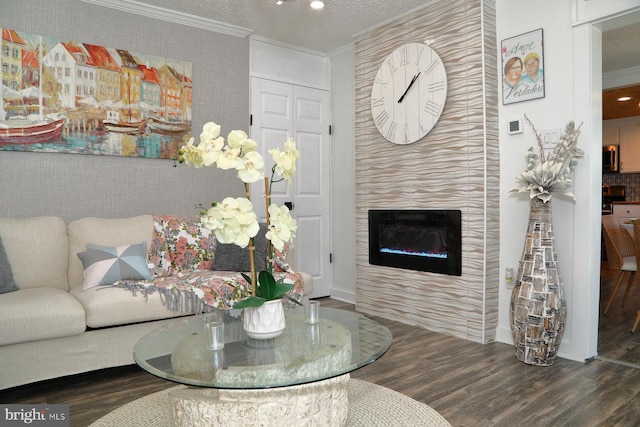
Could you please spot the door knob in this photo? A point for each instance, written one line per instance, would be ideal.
(289, 205)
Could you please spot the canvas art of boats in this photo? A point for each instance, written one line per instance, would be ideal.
(119, 123)
(174, 119)
(25, 131)
(166, 127)
(76, 97)
(128, 127)
(21, 117)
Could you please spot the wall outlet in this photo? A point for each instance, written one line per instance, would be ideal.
(509, 278)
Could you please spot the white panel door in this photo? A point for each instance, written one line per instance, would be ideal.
(281, 110)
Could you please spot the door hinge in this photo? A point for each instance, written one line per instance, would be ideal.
(250, 119)
(330, 129)
(330, 258)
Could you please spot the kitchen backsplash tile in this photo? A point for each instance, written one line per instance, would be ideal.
(631, 181)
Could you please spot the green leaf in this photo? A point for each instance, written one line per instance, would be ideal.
(247, 278)
(268, 285)
(250, 302)
(281, 289)
(290, 298)
(267, 289)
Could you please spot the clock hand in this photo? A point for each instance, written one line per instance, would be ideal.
(408, 87)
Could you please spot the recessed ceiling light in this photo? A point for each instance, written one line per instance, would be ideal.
(317, 4)
(279, 2)
(624, 98)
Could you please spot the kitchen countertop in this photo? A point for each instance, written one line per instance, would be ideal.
(627, 203)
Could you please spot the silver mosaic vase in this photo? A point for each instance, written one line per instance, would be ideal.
(538, 311)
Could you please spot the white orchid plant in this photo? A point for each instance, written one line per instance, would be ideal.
(233, 220)
(545, 177)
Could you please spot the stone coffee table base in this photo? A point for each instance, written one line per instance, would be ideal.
(319, 403)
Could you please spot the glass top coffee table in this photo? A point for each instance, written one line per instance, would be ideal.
(303, 372)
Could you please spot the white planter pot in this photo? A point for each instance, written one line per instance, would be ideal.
(266, 321)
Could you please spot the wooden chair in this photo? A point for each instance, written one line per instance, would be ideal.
(621, 255)
(636, 239)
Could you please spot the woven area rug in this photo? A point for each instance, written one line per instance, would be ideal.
(370, 405)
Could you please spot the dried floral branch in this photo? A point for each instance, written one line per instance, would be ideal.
(538, 138)
(545, 177)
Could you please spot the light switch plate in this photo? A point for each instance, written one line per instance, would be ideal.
(550, 138)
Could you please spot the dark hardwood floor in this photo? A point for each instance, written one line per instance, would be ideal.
(614, 338)
(469, 384)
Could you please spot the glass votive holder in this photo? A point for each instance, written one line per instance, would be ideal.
(214, 332)
(218, 360)
(311, 312)
(314, 334)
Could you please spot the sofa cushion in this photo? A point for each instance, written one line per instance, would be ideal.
(231, 257)
(40, 241)
(104, 265)
(39, 314)
(112, 306)
(7, 284)
(106, 232)
(191, 245)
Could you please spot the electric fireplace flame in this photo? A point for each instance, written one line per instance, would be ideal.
(423, 240)
(410, 253)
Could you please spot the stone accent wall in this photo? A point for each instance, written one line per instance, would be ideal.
(456, 166)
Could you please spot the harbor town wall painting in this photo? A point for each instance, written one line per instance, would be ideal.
(72, 97)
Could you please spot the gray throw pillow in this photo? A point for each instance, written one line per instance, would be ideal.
(7, 284)
(230, 257)
(104, 265)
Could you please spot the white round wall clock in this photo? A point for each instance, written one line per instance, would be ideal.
(408, 93)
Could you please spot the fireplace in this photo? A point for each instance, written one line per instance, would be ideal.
(423, 240)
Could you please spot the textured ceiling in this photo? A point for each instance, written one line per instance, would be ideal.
(294, 21)
(620, 48)
(621, 51)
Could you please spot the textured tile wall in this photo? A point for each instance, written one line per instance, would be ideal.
(456, 166)
(631, 181)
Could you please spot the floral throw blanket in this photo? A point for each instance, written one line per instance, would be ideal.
(183, 253)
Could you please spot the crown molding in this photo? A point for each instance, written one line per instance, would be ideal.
(393, 19)
(619, 78)
(348, 48)
(151, 11)
(262, 39)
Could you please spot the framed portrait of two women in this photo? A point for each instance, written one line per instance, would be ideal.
(523, 67)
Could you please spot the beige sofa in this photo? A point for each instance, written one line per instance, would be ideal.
(51, 326)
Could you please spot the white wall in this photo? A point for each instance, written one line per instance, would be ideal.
(289, 64)
(552, 111)
(343, 188)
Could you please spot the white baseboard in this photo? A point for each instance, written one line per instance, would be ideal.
(344, 296)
